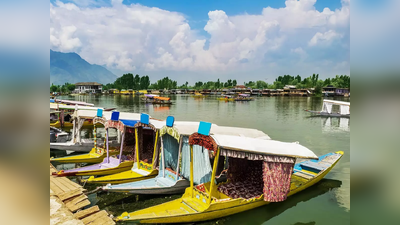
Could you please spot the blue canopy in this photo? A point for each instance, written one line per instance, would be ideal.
(52, 100)
(129, 123)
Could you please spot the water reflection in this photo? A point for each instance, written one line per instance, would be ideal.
(332, 124)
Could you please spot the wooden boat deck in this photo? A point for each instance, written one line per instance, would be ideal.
(72, 198)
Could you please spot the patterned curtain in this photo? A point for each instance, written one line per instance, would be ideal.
(276, 177)
(204, 141)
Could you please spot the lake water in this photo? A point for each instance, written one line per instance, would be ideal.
(283, 119)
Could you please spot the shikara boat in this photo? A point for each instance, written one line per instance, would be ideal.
(98, 152)
(243, 98)
(198, 95)
(69, 102)
(259, 172)
(111, 164)
(62, 110)
(168, 180)
(344, 109)
(228, 98)
(146, 154)
(156, 100)
(79, 117)
(174, 155)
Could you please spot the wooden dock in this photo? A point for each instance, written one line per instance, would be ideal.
(71, 196)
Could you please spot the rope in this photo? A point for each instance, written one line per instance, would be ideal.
(93, 191)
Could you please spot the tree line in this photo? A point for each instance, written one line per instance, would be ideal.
(65, 88)
(137, 82)
(342, 81)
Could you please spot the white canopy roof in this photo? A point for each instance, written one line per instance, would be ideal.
(74, 102)
(262, 146)
(189, 127)
(63, 106)
(90, 114)
(337, 102)
(158, 124)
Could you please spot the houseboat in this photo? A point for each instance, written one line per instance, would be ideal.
(266, 92)
(256, 92)
(342, 92)
(329, 91)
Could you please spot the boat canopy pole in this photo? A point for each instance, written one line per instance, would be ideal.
(179, 156)
(137, 146)
(73, 129)
(122, 145)
(95, 136)
(119, 136)
(155, 150)
(214, 171)
(163, 158)
(108, 159)
(191, 170)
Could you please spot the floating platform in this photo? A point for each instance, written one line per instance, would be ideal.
(67, 201)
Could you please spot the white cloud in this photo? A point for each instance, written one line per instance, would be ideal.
(324, 38)
(128, 37)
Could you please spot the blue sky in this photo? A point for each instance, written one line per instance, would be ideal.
(188, 39)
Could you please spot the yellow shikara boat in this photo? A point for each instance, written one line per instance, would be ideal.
(110, 165)
(198, 95)
(253, 163)
(146, 155)
(227, 98)
(63, 109)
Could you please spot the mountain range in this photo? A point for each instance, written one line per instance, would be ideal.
(71, 68)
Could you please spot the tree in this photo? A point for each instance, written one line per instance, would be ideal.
(124, 82)
(218, 84)
(318, 88)
(144, 82)
(261, 84)
(136, 82)
(54, 88)
(234, 83)
(70, 87)
(278, 85)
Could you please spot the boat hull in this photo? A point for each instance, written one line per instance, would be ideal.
(188, 209)
(325, 114)
(91, 157)
(122, 177)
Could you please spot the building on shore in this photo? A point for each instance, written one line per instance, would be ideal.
(329, 90)
(342, 92)
(88, 87)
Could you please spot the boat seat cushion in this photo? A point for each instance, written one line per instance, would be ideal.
(242, 190)
(314, 166)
